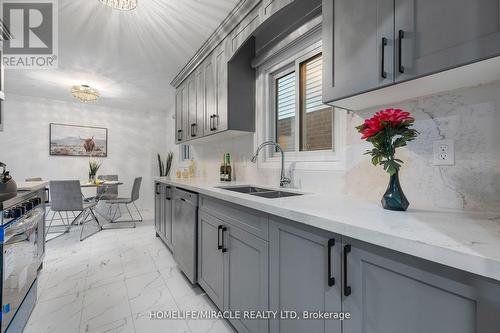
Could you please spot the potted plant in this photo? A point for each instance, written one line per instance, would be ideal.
(94, 166)
(388, 130)
(165, 166)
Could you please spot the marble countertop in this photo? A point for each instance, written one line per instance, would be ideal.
(469, 242)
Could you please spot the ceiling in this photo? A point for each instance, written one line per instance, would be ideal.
(131, 57)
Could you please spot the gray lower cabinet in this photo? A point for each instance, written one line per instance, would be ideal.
(246, 273)
(210, 257)
(167, 216)
(392, 293)
(233, 269)
(158, 204)
(305, 275)
(163, 213)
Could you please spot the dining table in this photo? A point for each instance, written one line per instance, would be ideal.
(110, 224)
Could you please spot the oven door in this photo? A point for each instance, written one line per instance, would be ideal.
(20, 257)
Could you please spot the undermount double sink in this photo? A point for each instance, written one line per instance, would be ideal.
(260, 192)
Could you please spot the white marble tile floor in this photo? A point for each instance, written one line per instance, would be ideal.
(111, 281)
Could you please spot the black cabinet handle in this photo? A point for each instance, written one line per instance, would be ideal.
(383, 73)
(179, 135)
(347, 288)
(168, 199)
(193, 126)
(213, 122)
(219, 246)
(224, 229)
(401, 35)
(182, 199)
(331, 279)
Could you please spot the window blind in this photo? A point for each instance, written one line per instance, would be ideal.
(313, 90)
(285, 96)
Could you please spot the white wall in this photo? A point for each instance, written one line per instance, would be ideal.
(134, 139)
(470, 116)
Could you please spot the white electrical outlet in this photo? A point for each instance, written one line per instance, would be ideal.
(444, 152)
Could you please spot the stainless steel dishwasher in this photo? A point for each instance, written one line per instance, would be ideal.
(184, 231)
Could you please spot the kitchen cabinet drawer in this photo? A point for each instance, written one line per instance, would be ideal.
(305, 275)
(392, 293)
(250, 220)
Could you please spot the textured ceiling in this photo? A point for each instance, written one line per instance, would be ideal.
(131, 57)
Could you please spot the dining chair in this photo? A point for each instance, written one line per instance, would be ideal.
(134, 196)
(109, 191)
(66, 196)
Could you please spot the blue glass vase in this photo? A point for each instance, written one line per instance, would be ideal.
(394, 198)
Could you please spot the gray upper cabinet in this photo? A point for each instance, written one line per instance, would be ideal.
(374, 44)
(210, 257)
(392, 293)
(272, 6)
(246, 273)
(219, 117)
(179, 114)
(197, 121)
(305, 275)
(192, 115)
(433, 36)
(358, 39)
(210, 90)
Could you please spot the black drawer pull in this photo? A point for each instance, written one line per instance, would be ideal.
(224, 249)
(347, 288)
(331, 279)
(179, 135)
(401, 35)
(193, 132)
(219, 246)
(383, 73)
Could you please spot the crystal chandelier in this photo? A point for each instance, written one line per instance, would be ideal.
(85, 93)
(120, 4)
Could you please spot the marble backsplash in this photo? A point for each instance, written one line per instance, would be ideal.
(469, 116)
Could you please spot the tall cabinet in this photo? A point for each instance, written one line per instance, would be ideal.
(373, 44)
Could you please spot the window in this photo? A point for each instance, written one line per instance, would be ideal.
(185, 152)
(303, 122)
(285, 111)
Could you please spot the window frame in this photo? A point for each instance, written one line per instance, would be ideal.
(267, 72)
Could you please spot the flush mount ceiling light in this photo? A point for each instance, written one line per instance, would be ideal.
(85, 93)
(120, 4)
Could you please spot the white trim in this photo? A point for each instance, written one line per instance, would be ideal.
(277, 63)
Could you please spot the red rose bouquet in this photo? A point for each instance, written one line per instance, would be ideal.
(387, 130)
